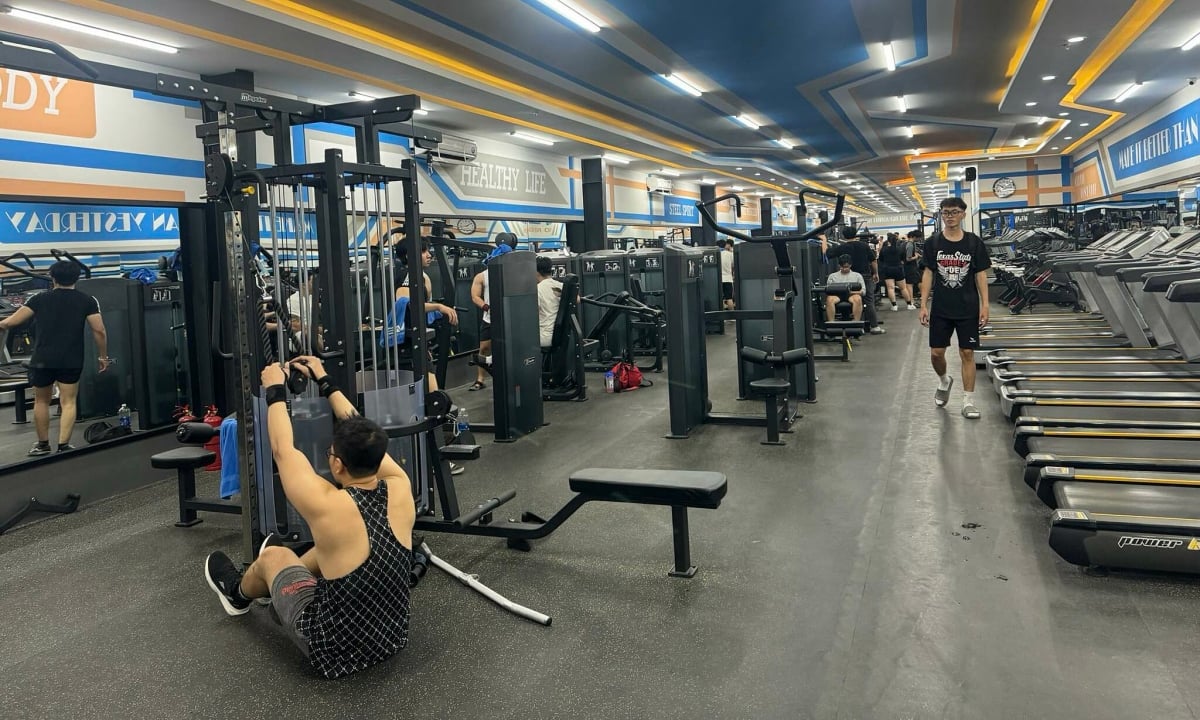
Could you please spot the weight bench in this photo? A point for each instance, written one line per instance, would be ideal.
(775, 388)
(185, 461)
(680, 489)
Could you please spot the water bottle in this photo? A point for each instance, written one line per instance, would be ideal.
(463, 423)
(610, 382)
(123, 416)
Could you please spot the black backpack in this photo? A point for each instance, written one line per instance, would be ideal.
(101, 431)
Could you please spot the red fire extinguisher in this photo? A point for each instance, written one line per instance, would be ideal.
(183, 414)
(212, 418)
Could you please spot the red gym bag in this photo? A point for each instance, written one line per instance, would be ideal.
(627, 376)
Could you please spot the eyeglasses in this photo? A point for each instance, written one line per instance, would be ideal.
(953, 213)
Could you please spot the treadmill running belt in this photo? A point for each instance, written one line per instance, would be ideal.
(1085, 447)
(1136, 527)
(1035, 414)
(1127, 387)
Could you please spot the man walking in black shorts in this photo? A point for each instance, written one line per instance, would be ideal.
(956, 265)
(57, 359)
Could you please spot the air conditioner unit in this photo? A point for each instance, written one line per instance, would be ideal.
(453, 150)
(658, 185)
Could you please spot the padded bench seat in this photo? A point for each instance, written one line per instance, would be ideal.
(185, 461)
(680, 489)
(688, 488)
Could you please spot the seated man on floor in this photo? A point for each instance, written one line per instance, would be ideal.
(845, 276)
(549, 293)
(345, 603)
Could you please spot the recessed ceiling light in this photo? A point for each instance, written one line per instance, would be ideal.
(745, 121)
(1124, 94)
(1048, 78)
(1031, 104)
(682, 84)
(925, 165)
(757, 174)
(1063, 114)
(1077, 39)
(771, 179)
(532, 138)
(908, 129)
(89, 30)
(889, 57)
(573, 14)
(903, 104)
(737, 168)
(1069, 137)
(1054, 148)
(1084, 124)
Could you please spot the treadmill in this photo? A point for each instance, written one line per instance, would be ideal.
(1126, 329)
(1154, 528)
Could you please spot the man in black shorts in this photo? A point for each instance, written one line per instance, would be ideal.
(956, 264)
(345, 602)
(57, 359)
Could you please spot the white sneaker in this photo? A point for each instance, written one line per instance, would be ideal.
(895, 307)
(878, 330)
(912, 307)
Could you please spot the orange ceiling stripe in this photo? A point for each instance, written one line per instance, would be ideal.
(1136, 21)
(1035, 20)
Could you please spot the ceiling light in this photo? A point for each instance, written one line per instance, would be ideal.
(1031, 104)
(889, 56)
(908, 129)
(743, 120)
(1048, 78)
(737, 168)
(835, 174)
(361, 96)
(615, 160)
(682, 84)
(708, 181)
(1054, 148)
(532, 138)
(421, 112)
(1022, 142)
(757, 174)
(1043, 120)
(1191, 43)
(783, 143)
(914, 151)
(1069, 137)
(903, 104)
(814, 161)
(1076, 39)
(89, 30)
(668, 172)
(1084, 124)
(771, 179)
(991, 157)
(1124, 94)
(573, 14)
(1063, 114)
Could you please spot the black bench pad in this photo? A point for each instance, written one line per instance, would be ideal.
(685, 488)
(184, 457)
(778, 385)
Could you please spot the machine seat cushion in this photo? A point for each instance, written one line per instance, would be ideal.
(772, 384)
(184, 457)
(685, 488)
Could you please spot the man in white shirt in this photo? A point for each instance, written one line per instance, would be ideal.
(549, 293)
(727, 272)
(845, 276)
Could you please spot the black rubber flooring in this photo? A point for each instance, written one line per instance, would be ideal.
(887, 563)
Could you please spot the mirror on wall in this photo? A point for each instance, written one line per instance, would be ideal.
(114, 261)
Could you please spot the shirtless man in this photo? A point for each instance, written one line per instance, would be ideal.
(345, 603)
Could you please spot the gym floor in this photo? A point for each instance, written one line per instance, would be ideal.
(888, 563)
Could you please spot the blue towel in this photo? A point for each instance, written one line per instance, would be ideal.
(394, 332)
(231, 482)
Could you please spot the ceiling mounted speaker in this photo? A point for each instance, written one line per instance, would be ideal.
(970, 174)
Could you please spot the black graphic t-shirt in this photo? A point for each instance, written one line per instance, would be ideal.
(954, 265)
(891, 253)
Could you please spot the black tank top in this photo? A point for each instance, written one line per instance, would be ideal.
(361, 619)
(890, 255)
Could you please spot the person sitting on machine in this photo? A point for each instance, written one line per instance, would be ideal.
(549, 293)
(845, 276)
(430, 305)
(345, 603)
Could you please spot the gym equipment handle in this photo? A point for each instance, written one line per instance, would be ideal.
(485, 508)
(711, 221)
(216, 323)
(63, 53)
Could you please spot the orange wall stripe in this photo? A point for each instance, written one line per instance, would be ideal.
(46, 188)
